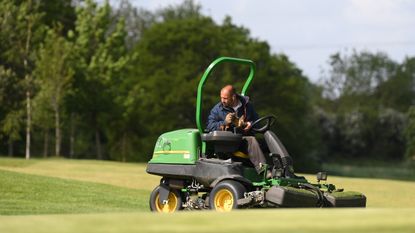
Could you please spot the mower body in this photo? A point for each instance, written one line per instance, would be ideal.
(177, 147)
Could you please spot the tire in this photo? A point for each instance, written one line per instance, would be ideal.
(174, 201)
(225, 195)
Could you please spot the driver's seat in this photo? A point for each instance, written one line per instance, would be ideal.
(220, 142)
(225, 145)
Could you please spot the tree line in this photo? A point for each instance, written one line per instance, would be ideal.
(86, 80)
(365, 106)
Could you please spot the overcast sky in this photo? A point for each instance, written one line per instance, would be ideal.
(309, 31)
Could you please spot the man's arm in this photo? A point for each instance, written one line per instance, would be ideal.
(214, 120)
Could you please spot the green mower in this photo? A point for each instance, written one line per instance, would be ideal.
(199, 171)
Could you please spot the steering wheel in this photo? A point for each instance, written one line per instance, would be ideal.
(268, 120)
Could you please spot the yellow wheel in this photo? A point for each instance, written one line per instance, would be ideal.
(224, 196)
(172, 204)
(223, 200)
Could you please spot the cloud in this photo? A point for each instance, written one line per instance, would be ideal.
(380, 12)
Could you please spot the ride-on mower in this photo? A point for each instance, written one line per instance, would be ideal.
(203, 170)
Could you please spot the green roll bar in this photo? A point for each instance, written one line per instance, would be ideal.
(208, 71)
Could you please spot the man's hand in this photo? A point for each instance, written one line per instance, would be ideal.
(229, 118)
(248, 126)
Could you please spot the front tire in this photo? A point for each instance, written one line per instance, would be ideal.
(174, 201)
(225, 195)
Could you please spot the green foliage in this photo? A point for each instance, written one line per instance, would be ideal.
(53, 75)
(53, 70)
(21, 33)
(410, 135)
(388, 136)
(361, 113)
(58, 12)
(136, 21)
(11, 125)
(358, 74)
(100, 54)
(403, 81)
(9, 108)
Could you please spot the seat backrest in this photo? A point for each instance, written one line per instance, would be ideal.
(274, 144)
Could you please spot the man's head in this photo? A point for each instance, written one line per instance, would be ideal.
(228, 96)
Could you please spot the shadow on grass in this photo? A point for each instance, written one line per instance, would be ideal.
(393, 170)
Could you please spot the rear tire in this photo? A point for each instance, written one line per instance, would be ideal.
(174, 201)
(225, 195)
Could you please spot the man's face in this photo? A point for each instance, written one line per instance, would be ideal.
(227, 99)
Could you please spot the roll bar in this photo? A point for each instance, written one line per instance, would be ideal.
(207, 73)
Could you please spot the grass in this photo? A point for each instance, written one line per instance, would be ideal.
(128, 175)
(277, 220)
(372, 169)
(33, 194)
(69, 186)
(115, 195)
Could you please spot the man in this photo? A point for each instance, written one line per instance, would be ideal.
(221, 116)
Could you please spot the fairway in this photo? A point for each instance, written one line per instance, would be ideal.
(58, 195)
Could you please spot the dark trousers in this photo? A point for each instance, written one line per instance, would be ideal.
(253, 149)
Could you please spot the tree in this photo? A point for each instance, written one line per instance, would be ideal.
(136, 21)
(60, 12)
(410, 135)
(54, 77)
(9, 107)
(21, 32)
(358, 74)
(365, 110)
(100, 50)
(404, 81)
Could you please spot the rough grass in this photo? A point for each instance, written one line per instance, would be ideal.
(60, 186)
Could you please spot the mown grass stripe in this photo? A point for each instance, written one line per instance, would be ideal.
(270, 220)
(34, 194)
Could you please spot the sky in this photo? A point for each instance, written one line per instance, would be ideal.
(309, 31)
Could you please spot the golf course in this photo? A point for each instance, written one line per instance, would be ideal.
(60, 195)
